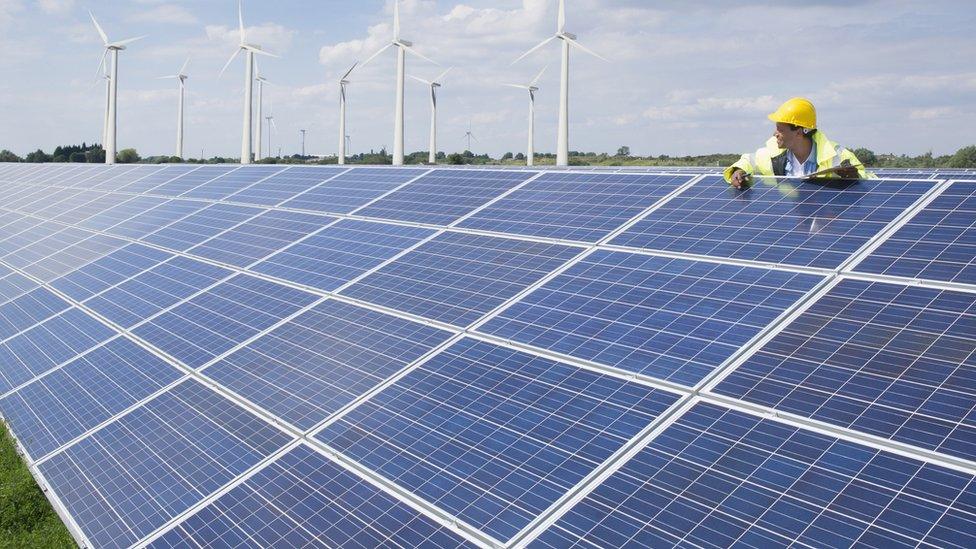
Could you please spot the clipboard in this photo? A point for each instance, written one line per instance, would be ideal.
(831, 171)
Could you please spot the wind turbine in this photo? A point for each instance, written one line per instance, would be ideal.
(568, 39)
(261, 82)
(402, 46)
(181, 77)
(343, 82)
(108, 94)
(271, 124)
(111, 119)
(532, 88)
(434, 84)
(249, 51)
(469, 136)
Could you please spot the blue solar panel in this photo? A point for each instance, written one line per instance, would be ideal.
(84, 211)
(260, 237)
(69, 401)
(108, 271)
(722, 478)
(458, 278)
(213, 322)
(810, 224)
(37, 249)
(311, 367)
(47, 345)
(191, 180)
(340, 253)
(148, 293)
(66, 259)
(61, 202)
(231, 183)
(148, 183)
(283, 185)
(201, 226)
(444, 196)
(573, 206)
(124, 179)
(14, 285)
(893, 361)
(939, 243)
(302, 500)
(671, 319)
(158, 217)
(117, 504)
(23, 312)
(352, 190)
(121, 212)
(493, 435)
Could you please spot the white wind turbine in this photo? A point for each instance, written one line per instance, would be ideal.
(434, 84)
(469, 136)
(249, 51)
(261, 82)
(272, 127)
(181, 77)
(343, 82)
(568, 39)
(532, 88)
(110, 142)
(402, 46)
(108, 94)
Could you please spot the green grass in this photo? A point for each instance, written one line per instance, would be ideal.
(26, 517)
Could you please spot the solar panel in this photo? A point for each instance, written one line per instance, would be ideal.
(191, 180)
(442, 197)
(212, 322)
(888, 360)
(117, 504)
(230, 183)
(351, 190)
(312, 367)
(938, 243)
(492, 435)
(125, 179)
(574, 206)
(670, 319)
(121, 212)
(260, 237)
(723, 478)
(796, 223)
(108, 271)
(458, 278)
(150, 182)
(339, 253)
(201, 226)
(27, 310)
(324, 505)
(150, 221)
(283, 185)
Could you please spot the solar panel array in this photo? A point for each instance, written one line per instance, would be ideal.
(291, 356)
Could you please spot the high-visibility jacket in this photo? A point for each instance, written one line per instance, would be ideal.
(771, 160)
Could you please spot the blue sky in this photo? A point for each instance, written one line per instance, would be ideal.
(684, 77)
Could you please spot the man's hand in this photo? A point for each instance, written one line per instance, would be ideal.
(848, 171)
(739, 178)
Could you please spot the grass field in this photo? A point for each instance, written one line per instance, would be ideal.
(26, 517)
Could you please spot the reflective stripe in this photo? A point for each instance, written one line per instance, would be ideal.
(838, 152)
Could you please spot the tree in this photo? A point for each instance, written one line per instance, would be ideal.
(455, 158)
(520, 156)
(507, 156)
(623, 151)
(866, 156)
(77, 157)
(38, 156)
(128, 156)
(7, 156)
(964, 158)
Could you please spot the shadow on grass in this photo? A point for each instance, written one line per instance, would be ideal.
(26, 516)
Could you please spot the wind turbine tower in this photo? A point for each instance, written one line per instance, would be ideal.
(261, 82)
(568, 39)
(110, 143)
(181, 77)
(434, 84)
(532, 87)
(343, 82)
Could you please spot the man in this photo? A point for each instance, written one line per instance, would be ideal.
(797, 149)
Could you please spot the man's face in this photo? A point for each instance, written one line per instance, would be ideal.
(786, 136)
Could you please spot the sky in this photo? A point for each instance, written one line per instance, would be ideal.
(680, 77)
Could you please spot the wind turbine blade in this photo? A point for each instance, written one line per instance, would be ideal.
(166, 77)
(183, 68)
(371, 57)
(519, 86)
(128, 40)
(576, 44)
(229, 61)
(240, 19)
(348, 72)
(99, 29)
(526, 54)
(102, 70)
(274, 126)
(442, 75)
(418, 54)
(561, 19)
(538, 76)
(260, 51)
(396, 19)
(421, 80)
(475, 138)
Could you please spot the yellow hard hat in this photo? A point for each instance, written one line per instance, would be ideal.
(798, 111)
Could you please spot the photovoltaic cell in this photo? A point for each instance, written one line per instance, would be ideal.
(260, 237)
(156, 218)
(939, 243)
(148, 183)
(284, 185)
(444, 196)
(127, 178)
(25, 311)
(116, 504)
(812, 224)
(213, 322)
(672, 319)
(200, 226)
(723, 478)
(152, 291)
(191, 180)
(458, 278)
(70, 258)
(339, 253)
(121, 212)
(301, 500)
(232, 182)
(894, 361)
(69, 401)
(352, 190)
(80, 213)
(574, 206)
(13, 285)
(314, 365)
(493, 435)
(109, 270)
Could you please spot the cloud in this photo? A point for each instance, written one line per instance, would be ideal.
(271, 37)
(931, 113)
(166, 14)
(56, 6)
(713, 107)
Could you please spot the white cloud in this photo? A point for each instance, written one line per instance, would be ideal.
(271, 37)
(707, 107)
(167, 14)
(56, 6)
